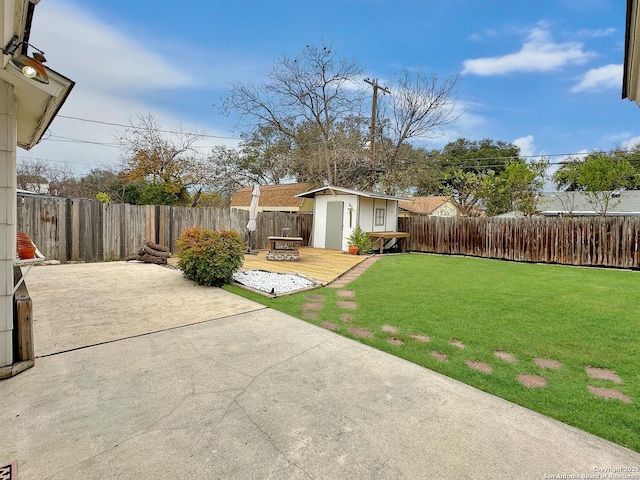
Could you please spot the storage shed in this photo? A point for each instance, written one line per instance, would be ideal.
(337, 211)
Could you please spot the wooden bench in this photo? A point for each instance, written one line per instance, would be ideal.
(284, 248)
(380, 238)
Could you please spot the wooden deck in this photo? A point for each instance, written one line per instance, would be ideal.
(317, 264)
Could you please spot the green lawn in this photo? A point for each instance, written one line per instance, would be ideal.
(580, 317)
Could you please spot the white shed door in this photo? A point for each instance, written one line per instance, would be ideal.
(333, 239)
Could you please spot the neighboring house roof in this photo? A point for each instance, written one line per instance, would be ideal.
(626, 202)
(272, 196)
(346, 191)
(631, 72)
(425, 205)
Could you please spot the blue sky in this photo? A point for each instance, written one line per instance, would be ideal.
(545, 74)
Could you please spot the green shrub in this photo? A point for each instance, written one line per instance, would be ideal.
(360, 239)
(210, 257)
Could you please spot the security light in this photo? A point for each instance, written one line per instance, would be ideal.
(31, 67)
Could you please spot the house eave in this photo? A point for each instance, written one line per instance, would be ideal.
(631, 70)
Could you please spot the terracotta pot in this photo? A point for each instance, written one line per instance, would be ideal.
(27, 252)
(23, 239)
(353, 250)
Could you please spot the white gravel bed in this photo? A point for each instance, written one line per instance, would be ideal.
(269, 282)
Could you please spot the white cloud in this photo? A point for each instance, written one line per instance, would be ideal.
(603, 78)
(600, 32)
(117, 77)
(631, 143)
(95, 54)
(476, 37)
(526, 145)
(539, 53)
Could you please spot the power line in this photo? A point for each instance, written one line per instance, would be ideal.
(57, 138)
(87, 120)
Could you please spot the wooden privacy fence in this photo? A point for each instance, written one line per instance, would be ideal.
(87, 230)
(588, 241)
(77, 229)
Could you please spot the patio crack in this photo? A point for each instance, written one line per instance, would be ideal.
(129, 438)
(149, 428)
(192, 393)
(273, 442)
(235, 401)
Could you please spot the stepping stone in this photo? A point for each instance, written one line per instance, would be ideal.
(440, 357)
(388, 329)
(310, 315)
(347, 305)
(360, 332)
(546, 363)
(315, 298)
(603, 374)
(479, 366)
(395, 341)
(346, 293)
(330, 326)
(609, 394)
(311, 306)
(419, 338)
(457, 343)
(533, 381)
(507, 357)
(346, 317)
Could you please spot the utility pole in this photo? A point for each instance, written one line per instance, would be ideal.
(372, 141)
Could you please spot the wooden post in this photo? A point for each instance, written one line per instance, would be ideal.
(23, 321)
(372, 140)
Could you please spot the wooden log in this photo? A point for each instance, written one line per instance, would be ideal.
(146, 258)
(147, 250)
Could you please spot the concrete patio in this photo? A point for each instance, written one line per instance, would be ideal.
(146, 376)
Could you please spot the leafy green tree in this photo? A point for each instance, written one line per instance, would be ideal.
(597, 176)
(159, 195)
(478, 155)
(468, 188)
(469, 171)
(517, 188)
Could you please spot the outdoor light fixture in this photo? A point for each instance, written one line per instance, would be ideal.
(31, 67)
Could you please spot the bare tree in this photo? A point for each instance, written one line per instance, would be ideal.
(40, 176)
(420, 106)
(304, 97)
(33, 175)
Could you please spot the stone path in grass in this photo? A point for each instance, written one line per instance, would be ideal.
(354, 273)
(346, 301)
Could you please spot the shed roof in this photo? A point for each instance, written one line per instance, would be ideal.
(346, 191)
(272, 195)
(423, 205)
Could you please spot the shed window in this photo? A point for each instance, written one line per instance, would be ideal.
(379, 217)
